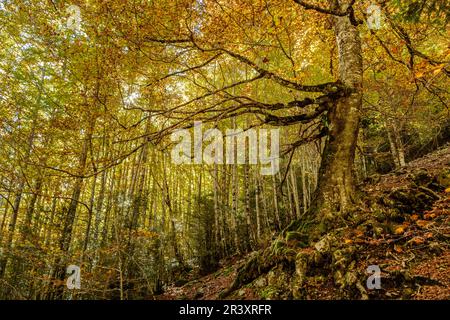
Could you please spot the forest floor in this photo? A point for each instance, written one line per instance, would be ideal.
(414, 245)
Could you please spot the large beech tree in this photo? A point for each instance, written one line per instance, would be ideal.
(218, 31)
(338, 102)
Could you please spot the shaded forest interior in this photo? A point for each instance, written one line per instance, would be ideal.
(91, 93)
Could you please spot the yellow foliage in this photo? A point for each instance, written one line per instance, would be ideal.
(399, 230)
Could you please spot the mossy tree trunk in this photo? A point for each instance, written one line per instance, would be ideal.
(335, 193)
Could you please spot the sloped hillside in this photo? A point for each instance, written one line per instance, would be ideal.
(402, 227)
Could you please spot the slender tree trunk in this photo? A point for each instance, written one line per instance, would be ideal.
(99, 207)
(90, 214)
(49, 226)
(66, 235)
(395, 142)
(265, 204)
(109, 206)
(16, 207)
(11, 228)
(234, 199)
(216, 207)
(295, 193)
(26, 229)
(168, 204)
(275, 202)
(305, 189)
(225, 210)
(5, 214)
(248, 214)
(257, 207)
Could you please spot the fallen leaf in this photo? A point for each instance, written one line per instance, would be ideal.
(422, 223)
(398, 249)
(428, 235)
(399, 230)
(348, 241)
(429, 216)
(438, 69)
(414, 217)
(416, 240)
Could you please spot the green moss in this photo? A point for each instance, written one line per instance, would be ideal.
(268, 293)
(444, 178)
(227, 271)
(298, 238)
(277, 246)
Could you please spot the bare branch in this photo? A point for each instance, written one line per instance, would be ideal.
(166, 41)
(205, 63)
(299, 118)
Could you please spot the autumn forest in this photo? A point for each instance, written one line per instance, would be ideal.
(224, 149)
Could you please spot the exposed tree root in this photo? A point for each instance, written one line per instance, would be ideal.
(296, 259)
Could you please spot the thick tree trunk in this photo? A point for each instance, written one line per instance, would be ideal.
(335, 195)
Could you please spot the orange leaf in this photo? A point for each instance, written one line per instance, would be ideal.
(359, 233)
(438, 69)
(398, 249)
(435, 72)
(416, 240)
(429, 216)
(414, 217)
(422, 223)
(348, 241)
(447, 190)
